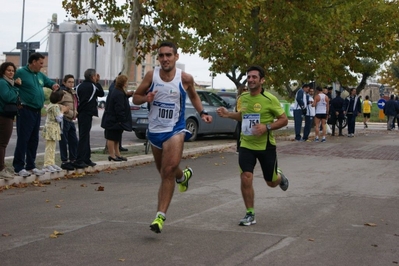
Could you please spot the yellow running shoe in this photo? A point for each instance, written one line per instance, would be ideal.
(187, 173)
(157, 224)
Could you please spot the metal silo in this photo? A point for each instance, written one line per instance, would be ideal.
(71, 53)
(104, 56)
(55, 55)
(87, 53)
(67, 26)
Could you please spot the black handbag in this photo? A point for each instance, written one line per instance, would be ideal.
(10, 109)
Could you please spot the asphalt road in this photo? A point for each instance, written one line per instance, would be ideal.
(341, 209)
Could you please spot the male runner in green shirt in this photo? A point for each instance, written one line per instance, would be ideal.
(259, 109)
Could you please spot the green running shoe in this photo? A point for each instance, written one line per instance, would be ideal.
(187, 173)
(284, 180)
(157, 224)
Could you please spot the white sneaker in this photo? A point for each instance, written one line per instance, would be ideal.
(49, 169)
(57, 168)
(23, 173)
(36, 171)
(5, 174)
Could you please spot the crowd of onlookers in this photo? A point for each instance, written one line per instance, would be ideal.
(325, 113)
(22, 98)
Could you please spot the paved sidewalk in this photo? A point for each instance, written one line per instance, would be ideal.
(341, 209)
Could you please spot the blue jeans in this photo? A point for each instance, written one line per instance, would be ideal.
(68, 142)
(308, 126)
(298, 123)
(28, 125)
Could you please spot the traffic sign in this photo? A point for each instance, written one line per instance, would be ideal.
(381, 103)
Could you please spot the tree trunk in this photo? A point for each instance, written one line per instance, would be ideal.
(132, 37)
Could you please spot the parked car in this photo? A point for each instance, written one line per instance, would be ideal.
(194, 123)
(101, 100)
(229, 97)
(139, 115)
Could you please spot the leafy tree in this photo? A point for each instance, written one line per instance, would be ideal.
(308, 40)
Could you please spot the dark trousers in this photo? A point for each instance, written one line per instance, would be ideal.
(28, 126)
(334, 119)
(308, 126)
(84, 151)
(298, 123)
(6, 125)
(351, 118)
(68, 142)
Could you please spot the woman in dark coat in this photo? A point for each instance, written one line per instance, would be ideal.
(8, 95)
(116, 118)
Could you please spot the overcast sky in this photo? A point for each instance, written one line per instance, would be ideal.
(38, 14)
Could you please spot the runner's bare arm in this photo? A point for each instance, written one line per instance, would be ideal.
(140, 95)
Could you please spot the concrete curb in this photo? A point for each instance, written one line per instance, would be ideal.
(104, 165)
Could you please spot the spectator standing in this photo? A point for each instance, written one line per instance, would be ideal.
(322, 104)
(261, 113)
(352, 108)
(391, 109)
(28, 121)
(367, 105)
(87, 93)
(128, 94)
(337, 113)
(165, 88)
(301, 99)
(8, 98)
(52, 131)
(310, 113)
(116, 118)
(69, 140)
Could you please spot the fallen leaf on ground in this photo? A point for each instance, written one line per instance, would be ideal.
(370, 224)
(374, 245)
(58, 206)
(6, 234)
(53, 236)
(83, 185)
(311, 239)
(122, 259)
(100, 188)
(57, 233)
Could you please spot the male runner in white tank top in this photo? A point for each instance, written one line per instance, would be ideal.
(165, 89)
(321, 102)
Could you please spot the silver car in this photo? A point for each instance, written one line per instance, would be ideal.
(210, 102)
(194, 123)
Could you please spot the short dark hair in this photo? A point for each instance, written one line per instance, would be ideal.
(367, 97)
(318, 88)
(4, 67)
(35, 57)
(306, 85)
(56, 96)
(392, 96)
(169, 44)
(68, 76)
(257, 68)
(89, 73)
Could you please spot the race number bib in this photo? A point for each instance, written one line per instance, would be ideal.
(164, 113)
(248, 121)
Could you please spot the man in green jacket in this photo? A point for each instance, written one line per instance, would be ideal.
(28, 121)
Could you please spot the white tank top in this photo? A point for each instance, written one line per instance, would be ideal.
(165, 109)
(321, 106)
